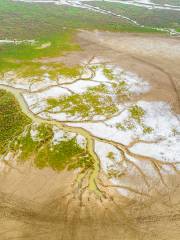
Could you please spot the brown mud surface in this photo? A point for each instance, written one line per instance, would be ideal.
(45, 205)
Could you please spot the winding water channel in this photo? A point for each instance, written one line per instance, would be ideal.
(124, 150)
(89, 138)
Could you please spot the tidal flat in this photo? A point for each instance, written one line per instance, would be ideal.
(89, 121)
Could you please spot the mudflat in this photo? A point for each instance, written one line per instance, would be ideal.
(43, 204)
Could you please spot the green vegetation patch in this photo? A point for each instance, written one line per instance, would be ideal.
(108, 73)
(137, 113)
(17, 56)
(121, 91)
(49, 25)
(19, 136)
(149, 18)
(95, 101)
(115, 173)
(136, 117)
(52, 27)
(37, 71)
(42, 21)
(60, 43)
(111, 155)
(12, 119)
(66, 154)
(171, 2)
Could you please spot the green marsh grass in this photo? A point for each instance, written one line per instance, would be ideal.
(12, 120)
